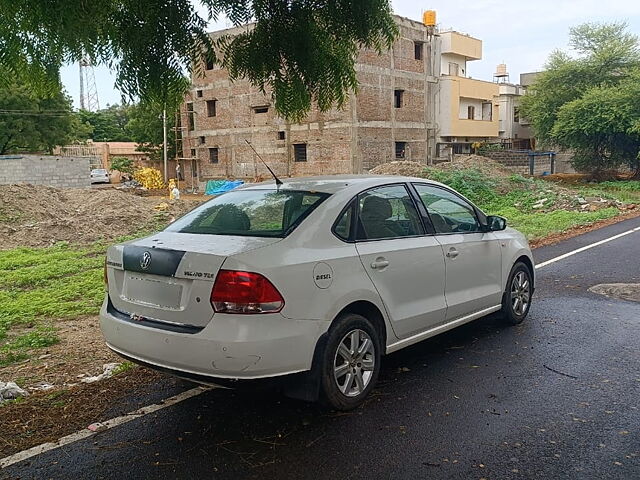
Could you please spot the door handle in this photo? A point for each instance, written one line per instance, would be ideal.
(379, 264)
(452, 253)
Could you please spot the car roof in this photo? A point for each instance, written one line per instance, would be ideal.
(334, 183)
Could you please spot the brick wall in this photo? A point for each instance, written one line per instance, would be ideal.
(353, 139)
(518, 162)
(54, 171)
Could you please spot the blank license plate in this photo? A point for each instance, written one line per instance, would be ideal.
(151, 291)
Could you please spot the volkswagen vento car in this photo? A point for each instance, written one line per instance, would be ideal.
(311, 282)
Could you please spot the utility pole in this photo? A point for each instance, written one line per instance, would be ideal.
(164, 136)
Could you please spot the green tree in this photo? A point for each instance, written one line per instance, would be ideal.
(122, 164)
(578, 101)
(32, 122)
(108, 124)
(602, 127)
(145, 127)
(303, 51)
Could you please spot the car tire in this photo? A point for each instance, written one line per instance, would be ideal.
(516, 299)
(347, 377)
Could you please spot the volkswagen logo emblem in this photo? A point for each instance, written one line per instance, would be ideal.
(145, 260)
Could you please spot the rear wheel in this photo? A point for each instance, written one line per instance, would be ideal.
(516, 299)
(351, 362)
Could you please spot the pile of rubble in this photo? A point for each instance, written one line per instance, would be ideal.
(36, 216)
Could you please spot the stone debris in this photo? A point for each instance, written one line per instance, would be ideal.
(11, 391)
(107, 371)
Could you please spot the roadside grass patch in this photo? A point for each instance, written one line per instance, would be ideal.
(623, 190)
(39, 285)
(514, 197)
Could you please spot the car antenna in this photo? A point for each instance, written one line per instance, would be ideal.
(278, 181)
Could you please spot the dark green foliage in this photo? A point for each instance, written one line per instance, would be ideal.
(589, 103)
(472, 183)
(145, 127)
(33, 122)
(303, 51)
(122, 164)
(108, 124)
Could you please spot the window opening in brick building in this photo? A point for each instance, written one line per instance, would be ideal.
(397, 98)
(202, 140)
(211, 108)
(209, 62)
(213, 155)
(193, 152)
(300, 152)
(260, 109)
(199, 93)
(281, 135)
(401, 148)
(190, 117)
(418, 48)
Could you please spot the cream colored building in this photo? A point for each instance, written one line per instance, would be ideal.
(515, 131)
(467, 108)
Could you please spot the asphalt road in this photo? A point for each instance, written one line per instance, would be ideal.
(554, 398)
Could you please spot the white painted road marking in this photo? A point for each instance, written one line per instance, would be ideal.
(587, 247)
(114, 422)
(74, 437)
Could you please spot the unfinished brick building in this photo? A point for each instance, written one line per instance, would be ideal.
(391, 117)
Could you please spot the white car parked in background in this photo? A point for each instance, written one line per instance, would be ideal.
(312, 282)
(99, 175)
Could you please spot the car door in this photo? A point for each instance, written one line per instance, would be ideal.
(473, 257)
(405, 265)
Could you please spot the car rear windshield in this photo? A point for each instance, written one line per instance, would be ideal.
(254, 213)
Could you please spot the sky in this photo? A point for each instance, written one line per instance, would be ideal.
(520, 33)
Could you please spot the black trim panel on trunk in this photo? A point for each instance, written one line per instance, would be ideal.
(156, 261)
(149, 322)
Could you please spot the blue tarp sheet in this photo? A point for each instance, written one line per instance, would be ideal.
(216, 187)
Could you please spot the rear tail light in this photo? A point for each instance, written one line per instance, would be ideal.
(244, 292)
(106, 277)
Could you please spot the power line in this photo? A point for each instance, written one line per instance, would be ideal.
(44, 113)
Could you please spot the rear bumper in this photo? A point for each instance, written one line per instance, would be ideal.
(229, 347)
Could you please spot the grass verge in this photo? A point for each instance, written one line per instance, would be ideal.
(41, 284)
(518, 199)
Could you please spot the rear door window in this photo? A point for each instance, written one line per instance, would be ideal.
(387, 212)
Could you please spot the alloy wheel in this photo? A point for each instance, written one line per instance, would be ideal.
(520, 293)
(354, 363)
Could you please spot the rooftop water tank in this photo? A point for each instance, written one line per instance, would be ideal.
(429, 18)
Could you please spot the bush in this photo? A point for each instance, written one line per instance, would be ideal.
(471, 183)
(122, 164)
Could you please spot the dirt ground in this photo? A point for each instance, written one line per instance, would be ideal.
(80, 353)
(413, 169)
(48, 416)
(37, 216)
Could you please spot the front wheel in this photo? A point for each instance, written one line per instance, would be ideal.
(351, 362)
(516, 299)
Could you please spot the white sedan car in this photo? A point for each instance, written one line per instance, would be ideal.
(99, 175)
(311, 282)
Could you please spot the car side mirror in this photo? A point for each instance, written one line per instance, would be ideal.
(496, 223)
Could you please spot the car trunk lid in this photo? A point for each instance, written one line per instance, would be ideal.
(168, 277)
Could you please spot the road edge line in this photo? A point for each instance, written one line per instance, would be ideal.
(103, 426)
(586, 247)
